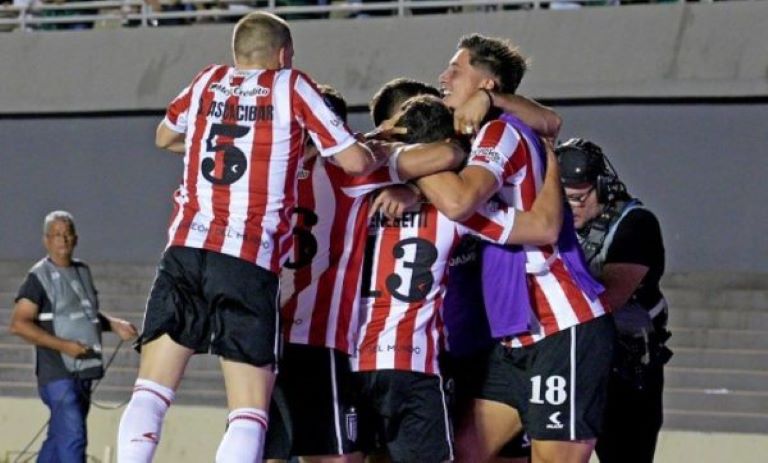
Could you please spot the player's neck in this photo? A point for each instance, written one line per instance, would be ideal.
(255, 67)
(265, 65)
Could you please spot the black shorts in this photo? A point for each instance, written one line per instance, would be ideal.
(558, 385)
(464, 381)
(211, 302)
(313, 410)
(405, 414)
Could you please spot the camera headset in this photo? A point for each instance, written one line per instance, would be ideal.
(582, 161)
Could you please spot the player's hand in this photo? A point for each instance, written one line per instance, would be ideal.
(468, 117)
(124, 329)
(393, 201)
(75, 349)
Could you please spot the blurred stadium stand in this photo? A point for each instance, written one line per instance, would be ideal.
(63, 14)
(716, 382)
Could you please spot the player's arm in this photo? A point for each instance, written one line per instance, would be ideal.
(541, 225)
(357, 159)
(168, 139)
(457, 195)
(621, 280)
(542, 119)
(23, 324)
(414, 161)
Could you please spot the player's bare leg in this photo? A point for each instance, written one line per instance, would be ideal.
(164, 361)
(247, 385)
(484, 430)
(249, 389)
(549, 451)
(162, 365)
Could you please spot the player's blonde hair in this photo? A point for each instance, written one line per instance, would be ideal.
(259, 36)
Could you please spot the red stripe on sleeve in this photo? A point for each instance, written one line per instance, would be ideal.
(181, 103)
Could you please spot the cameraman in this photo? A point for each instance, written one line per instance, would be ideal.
(57, 311)
(623, 246)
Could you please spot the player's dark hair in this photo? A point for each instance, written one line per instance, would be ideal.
(427, 119)
(497, 56)
(334, 100)
(391, 96)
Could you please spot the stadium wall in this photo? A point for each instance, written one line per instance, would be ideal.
(666, 50)
(674, 93)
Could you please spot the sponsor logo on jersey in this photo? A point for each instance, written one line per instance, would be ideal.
(462, 259)
(487, 155)
(238, 91)
(554, 421)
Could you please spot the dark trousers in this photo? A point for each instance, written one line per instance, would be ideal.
(69, 401)
(632, 419)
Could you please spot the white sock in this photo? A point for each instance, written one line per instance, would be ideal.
(139, 431)
(244, 440)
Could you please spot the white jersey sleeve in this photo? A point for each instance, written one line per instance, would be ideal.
(177, 113)
(329, 133)
(495, 149)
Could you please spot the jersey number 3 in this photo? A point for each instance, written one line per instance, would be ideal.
(304, 244)
(416, 271)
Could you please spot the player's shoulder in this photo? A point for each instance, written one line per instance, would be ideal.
(497, 131)
(297, 75)
(213, 68)
(209, 71)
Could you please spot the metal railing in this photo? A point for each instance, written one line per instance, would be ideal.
(143, 13)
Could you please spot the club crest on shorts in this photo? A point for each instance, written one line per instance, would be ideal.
(350, 419)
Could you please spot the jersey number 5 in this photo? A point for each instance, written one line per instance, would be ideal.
(229, 162)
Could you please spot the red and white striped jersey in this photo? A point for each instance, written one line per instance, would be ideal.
(404, 283)
(320, 284)
(244, 136)
(557, 300)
